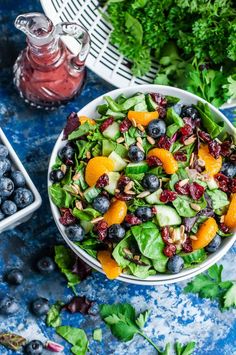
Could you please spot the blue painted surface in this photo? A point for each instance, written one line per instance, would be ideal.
(175, 316)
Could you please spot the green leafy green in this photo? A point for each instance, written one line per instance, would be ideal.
(53, 316)
(97, 334)
(219, 198)
(230, 297)
(186, 349)
(193, 258)
(83, 129)
(208, 121)
(75, 337)
(183, 205)
(87, 214)
(134, 27)
(59, 196)
(231, 86)
(142, 319)
(173, 117)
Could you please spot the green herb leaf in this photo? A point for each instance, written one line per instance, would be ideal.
(86, 214)
(230, 297)
(134, 27)
(219, 198)
(97, 334)
(53, 316)
(83, 129)
(208, 121)
(142, 319)
(12, 341)
(76, 337)
(186, 349)
(59, 196)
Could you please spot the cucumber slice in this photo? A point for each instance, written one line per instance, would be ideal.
(167, 216)
(112, 131)
(113, 179)
(108, 147)
(87, 225)
(119, 163)
(154, 197)
(136, 168)
(197, 256)
(121, 150)
(132, 101)
(151, 104)
(212, 185)
(91, 193)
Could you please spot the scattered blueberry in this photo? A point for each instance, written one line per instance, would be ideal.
(22, 197)
(6, 187)
(116, 231)
(35, 347)
(189, 111)
(228, 169)
(3, 151)
(4, 166)
(8, 207)
(8, 305)
(214, 244)
(144, 213)
(18, 178)
(66, 154)
(175, 264)
(46, 265)
(56, 175)
(135, 154)
(75, 233)
(156, 128)
(14, 277)
(40, 306)
(8, 165)
(151, 182)
(101, 204)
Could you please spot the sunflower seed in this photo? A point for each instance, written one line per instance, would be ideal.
(140, 127)
(120, 140)
(193, 237)
(78, 205)
(195, 207)
(143, 194)
(76, 177)
(150, 140)
(139, 140)
(133, 122)
(190, 140)
(63, 168)
(96, 220)
(183, 182)
(88, 155)
(140, 147)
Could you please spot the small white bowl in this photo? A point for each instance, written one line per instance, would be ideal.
(90, 111)
(24, 214)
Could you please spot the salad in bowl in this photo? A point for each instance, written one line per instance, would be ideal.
(146, 186)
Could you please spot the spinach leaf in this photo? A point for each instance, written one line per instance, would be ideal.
(57, 164)
(83, 129)
(196, 257)
(219, 198)
(141, 271)
(90, 246)
(53, 316)
(134, 27)
(67, 178)
(172, 129)
(208, 121)
(198, 222)
(180, 175)
(76, 337)
(118, 253)
(85, 215)
(182, 205)
(173, 117)
(59, 196)
(172, 100)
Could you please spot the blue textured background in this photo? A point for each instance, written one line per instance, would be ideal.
(175, 316)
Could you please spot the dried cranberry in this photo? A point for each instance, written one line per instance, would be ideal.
(153, 161)
(204, 136)
(186, 130)
(164, 142)
(159, 99)
(106, 124)
(122, 182)
(226, 149)
(224, 228)
(214, 148)
(122, 196)
(196, 190)
(125, 125)
(101, 228)
(222, 181)
(102, 181)
(168, 196)
(169, 250)
(132, 219)
(232, 185)
(187, 246)
(180, 156)
(66, 217)
(162, 111)
(182, 190)
(165, 234)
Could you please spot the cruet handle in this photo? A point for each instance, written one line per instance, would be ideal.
(77, 40)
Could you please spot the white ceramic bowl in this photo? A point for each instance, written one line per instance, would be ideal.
(90, 111)
(23, 215)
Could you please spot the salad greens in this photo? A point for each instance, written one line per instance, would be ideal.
(53, 316)
(76, 337)
(192, 41)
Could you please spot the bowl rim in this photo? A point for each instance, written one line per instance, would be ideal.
(158, 279)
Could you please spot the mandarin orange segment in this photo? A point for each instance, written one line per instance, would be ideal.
(212, 165)
(116, 213)
(169, 163)
(143, 118)
(96, 167)
(205, 234)
(230, 217)
(84, 119)
(109, 265)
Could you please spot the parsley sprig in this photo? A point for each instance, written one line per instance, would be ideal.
(210, 285)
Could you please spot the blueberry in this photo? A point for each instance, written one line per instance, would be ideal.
(135, 154)
(56, 175)
(45, 265)
(229, 169)
(6, 187)
(8, 305)
(35, 347)
(14, 277)
(3, 151)
(3, 166)
(18, 178)
(189, 111)
(66, 154)
(214, 244)
(2, 215)
(144, 213)
(40, 306)
(23, 197)
(175, 264)
(116, 231)
(156, 128)
(101, 204)
(9, 207)
(75, 233)
(151, 182)
(8, 165)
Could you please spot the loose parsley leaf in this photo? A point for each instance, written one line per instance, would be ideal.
(230, 297)
(142, 319)
(53, 316)
(186, 349)
(76, 337)
(97, 334)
